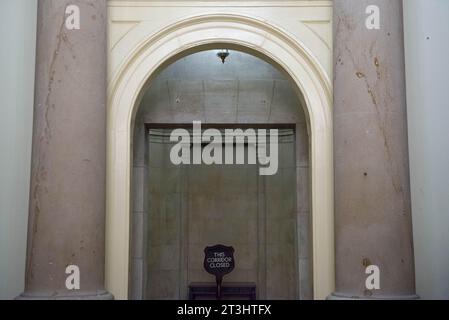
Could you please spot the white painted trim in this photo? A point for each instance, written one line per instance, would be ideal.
(250, 34)
(224, 4)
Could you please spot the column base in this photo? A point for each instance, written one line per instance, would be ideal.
(98, 295)
(347, 296)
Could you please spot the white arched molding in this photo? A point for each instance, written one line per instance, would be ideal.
(267, 41)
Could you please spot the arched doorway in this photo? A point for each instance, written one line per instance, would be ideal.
(246, 34)
(178, 210)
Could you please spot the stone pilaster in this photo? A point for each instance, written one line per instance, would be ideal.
(372, 193)
(67, 201)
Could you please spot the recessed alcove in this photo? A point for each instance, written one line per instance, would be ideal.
(179, 210)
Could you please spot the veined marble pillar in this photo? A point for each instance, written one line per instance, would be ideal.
(372, 190)
(67, 201)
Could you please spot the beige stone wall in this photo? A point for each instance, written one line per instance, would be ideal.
(191, 207)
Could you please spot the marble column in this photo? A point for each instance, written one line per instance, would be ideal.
(67, 201)
(372, 191)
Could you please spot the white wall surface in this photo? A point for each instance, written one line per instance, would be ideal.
(427, 58)
(17, 61)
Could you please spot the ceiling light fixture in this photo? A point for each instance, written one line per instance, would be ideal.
(223, 55)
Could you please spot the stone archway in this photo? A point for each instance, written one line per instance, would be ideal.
(248, 34)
